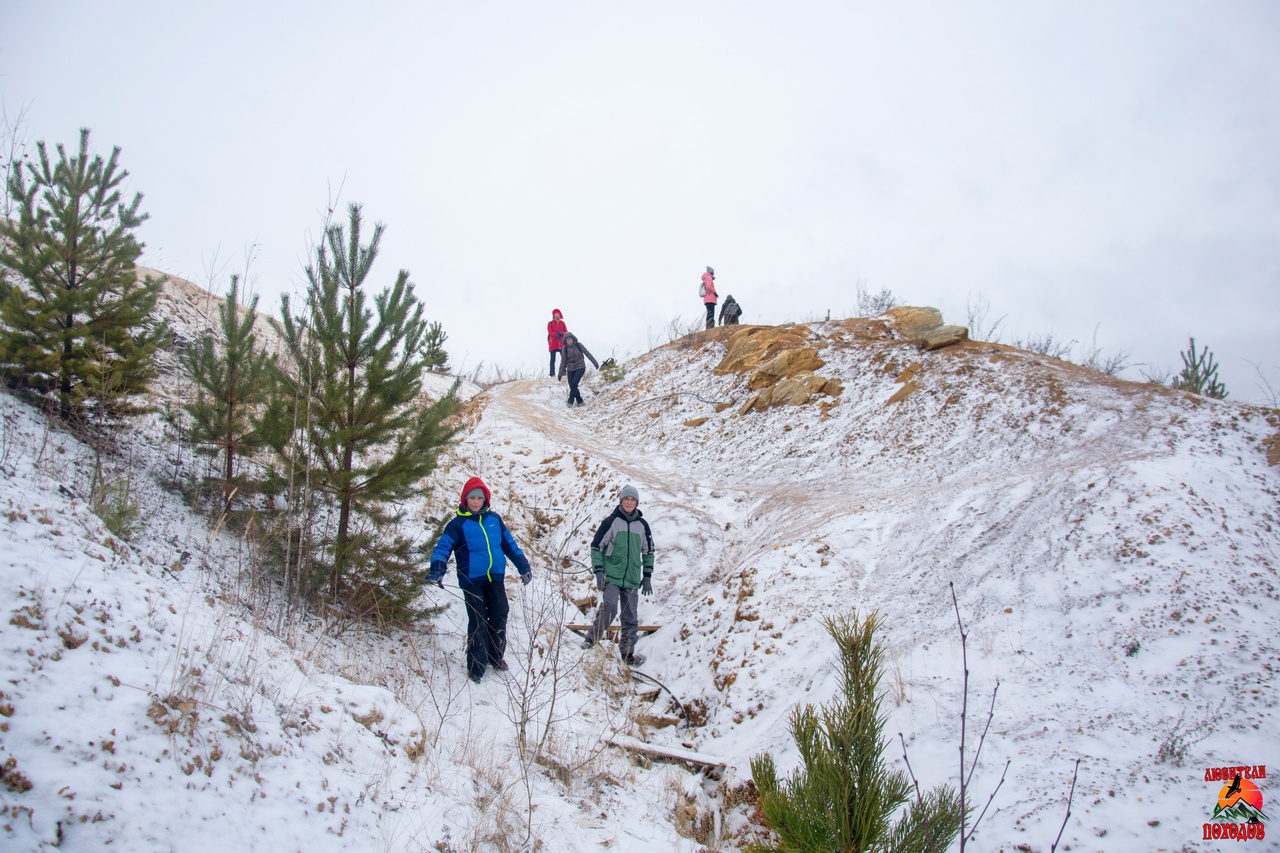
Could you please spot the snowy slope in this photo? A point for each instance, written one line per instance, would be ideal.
(1112, 547)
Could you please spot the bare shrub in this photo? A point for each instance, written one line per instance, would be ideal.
(1111, 364)
(1046, 344)
(874, 304)
(1270, 394)
(977, 312)
(1154, 374)
(1178, 736)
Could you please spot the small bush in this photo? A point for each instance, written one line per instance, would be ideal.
(844, 796)
(613, 371)
(1199, 374)
(1046, 345)
(874, 304)
(113, 504)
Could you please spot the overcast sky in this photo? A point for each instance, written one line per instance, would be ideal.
(1077, 165)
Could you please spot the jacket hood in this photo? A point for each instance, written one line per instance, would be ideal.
(556, 315)
(474, 483)
(622, 513)
(570, 336)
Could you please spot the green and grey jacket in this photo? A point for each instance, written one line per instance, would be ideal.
(623, 549)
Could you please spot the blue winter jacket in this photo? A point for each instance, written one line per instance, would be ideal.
(481, 544)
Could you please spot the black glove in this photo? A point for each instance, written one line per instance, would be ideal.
(646, 586)
(600, 581)
(527, 577)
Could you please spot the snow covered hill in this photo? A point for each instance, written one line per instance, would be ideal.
(1112, 548)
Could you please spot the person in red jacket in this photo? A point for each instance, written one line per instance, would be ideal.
(556, 330)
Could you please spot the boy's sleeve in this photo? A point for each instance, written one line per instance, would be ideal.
(647, 551)
(598, 545)
(440, 555)
(512, 550)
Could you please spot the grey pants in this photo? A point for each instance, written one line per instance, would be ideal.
(630, 600)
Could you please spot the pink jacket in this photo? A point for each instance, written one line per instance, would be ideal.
(709, 281)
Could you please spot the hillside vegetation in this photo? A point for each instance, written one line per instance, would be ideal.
(1112, 546)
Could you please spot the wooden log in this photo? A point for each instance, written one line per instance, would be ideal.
(667, 753)
(612, 630)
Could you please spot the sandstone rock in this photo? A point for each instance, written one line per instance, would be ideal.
(924, 327)
(792, 391)
(943, 336)
(1272, 446)
(783, 365)
(908, 320)
(751, 346)
(903, 393)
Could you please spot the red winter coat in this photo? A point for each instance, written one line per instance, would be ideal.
(555, 332)
(709, 284)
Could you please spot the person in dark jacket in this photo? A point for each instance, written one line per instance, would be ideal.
(573, 363)
(622, 559)
(730, 311)
(481, 544)
(556, 331)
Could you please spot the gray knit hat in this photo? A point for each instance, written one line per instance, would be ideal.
(629, 492)
(475, 493)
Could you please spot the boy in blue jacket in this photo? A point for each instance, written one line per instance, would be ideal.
(481, 544)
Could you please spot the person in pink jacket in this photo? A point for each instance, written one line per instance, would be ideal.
(708, 293)
(556, 330)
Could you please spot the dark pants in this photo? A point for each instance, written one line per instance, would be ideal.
(711, 315)
(575, 376)
(486, 624)
(629, 600)
(554, 352)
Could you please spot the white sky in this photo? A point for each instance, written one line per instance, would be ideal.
(1072, 163)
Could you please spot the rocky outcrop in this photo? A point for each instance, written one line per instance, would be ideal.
(924, 327)
(795, 390)
(781, 365)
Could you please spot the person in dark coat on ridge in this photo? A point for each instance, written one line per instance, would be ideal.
(481, 544)
(730, 311)
(622, 559)
(573, 364)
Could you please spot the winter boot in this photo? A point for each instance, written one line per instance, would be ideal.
(633, 659)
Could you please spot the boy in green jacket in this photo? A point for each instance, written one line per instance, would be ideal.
(622, 559)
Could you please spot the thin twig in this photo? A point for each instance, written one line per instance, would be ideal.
(1067, 816)
(990, 798)
(964, 710)
(991, 712)
(919, 796)
(675, 396)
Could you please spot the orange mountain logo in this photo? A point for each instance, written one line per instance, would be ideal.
(1238, 813)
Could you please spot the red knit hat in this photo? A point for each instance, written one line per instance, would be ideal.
(475, 483)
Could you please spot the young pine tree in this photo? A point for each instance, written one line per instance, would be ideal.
(233, 379)
(433, 349)
(365, 440)
(1199, 374)
(71, 294)
(844, 796)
